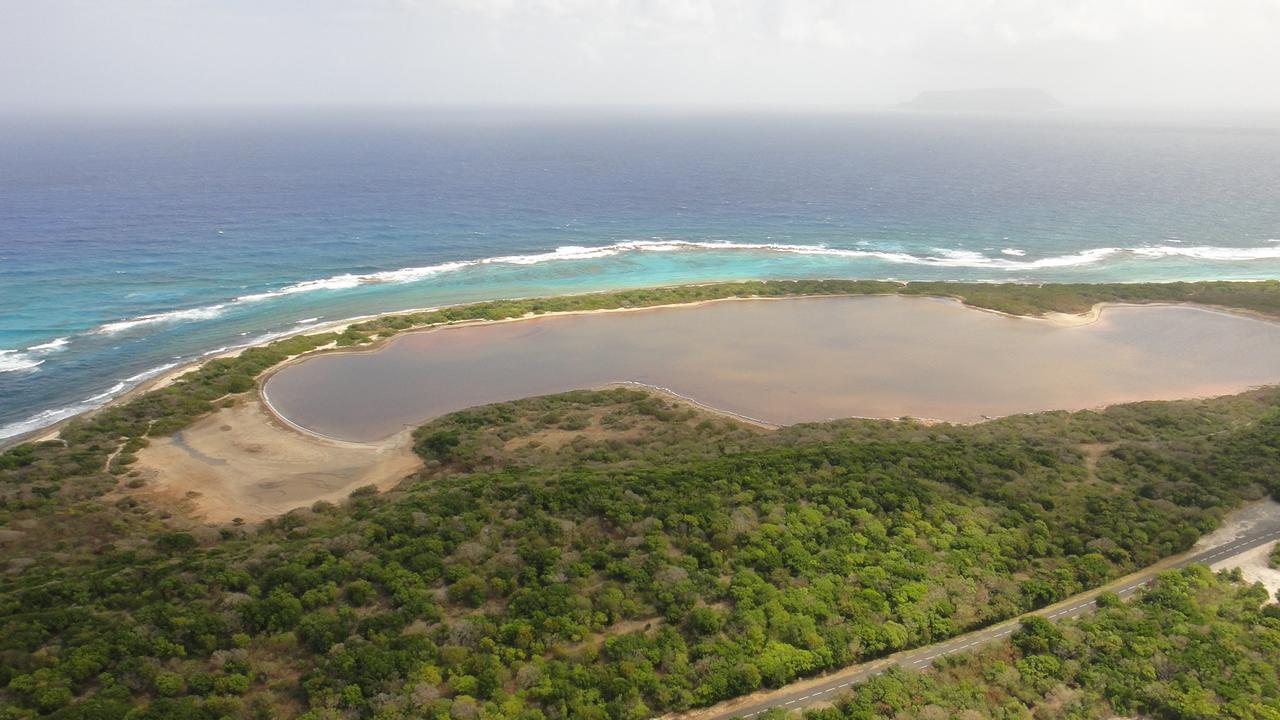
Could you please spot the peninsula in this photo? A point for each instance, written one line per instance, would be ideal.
(621, 553)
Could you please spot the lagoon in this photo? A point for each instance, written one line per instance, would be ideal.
(789, 361)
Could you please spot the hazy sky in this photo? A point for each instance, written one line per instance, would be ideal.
(777, 53)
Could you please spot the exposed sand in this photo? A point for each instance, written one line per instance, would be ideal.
(1085, 318)
(1254, 566)
(52, 431)
(1252, 563)
(240, 462)
(1239, 522)
(244, 463)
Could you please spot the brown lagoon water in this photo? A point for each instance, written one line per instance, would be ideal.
(789, 361)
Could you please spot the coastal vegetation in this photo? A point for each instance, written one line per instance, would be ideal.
(1013, 298)
(1192, 646)
(609, 554)
(596, 554)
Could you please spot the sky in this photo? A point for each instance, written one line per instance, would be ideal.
(776, 54)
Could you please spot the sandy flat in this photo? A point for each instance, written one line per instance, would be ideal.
(1252, 563)
(1255, 567)
(240, 462)
(1239, 522)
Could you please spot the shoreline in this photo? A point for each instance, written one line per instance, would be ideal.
(1059, 320)
(165, 378)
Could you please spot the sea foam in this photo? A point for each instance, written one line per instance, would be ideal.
(42, 419)
(15, 361)
(93, 402)
(29, 360)
(207, 312)
(1009, 259)
(1210, 253)
(51, 346)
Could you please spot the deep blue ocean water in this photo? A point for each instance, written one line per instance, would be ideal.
(131, 244)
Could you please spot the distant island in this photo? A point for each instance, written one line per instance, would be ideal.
(990, 100)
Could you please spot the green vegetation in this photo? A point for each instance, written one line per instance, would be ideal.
(1017, 299)
(46, 484)
(594, 554)
(1192, 646)
(42, 478)
(610, 555)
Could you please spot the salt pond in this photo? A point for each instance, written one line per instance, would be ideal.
(789, 361)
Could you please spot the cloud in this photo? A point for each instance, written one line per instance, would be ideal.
(786, 53)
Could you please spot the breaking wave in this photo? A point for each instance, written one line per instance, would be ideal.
(49, 417)
(29, 360)
(940, 258)
(43, 419)
(1006, 259)
(51, 346)
(1009, 259)
(15, 361)
(1210, 253)
(200, 313)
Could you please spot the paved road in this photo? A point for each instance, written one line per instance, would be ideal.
(827, 689)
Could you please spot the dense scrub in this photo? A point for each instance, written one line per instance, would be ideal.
(93, 449)
(1191, 646)
(610, 555)
(596, 554)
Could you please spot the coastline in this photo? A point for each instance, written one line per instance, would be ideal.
(168, 377)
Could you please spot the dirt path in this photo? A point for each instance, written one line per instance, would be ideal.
(1093, 452)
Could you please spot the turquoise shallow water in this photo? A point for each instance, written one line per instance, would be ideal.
(132, 244)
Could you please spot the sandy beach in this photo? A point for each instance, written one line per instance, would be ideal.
(169, 376)
(253, 461)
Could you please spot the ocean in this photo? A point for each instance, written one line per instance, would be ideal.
(130, 244)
